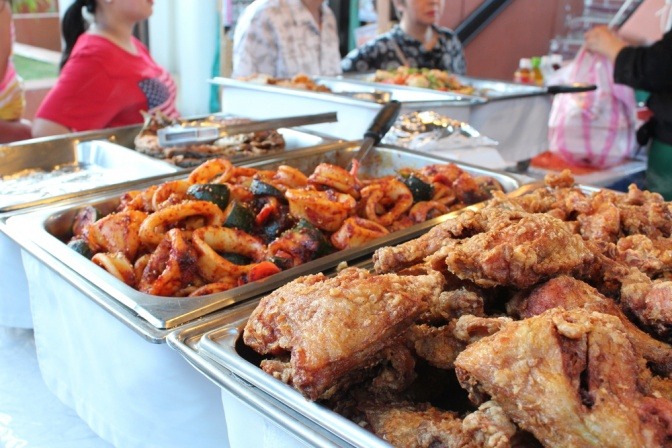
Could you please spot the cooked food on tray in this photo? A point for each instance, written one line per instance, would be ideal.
(300, 81)
(191, 155)
(428, 78)
(537, 320)
(224, 226)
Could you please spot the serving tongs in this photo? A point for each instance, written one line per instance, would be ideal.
(184, 135)
(382, 123)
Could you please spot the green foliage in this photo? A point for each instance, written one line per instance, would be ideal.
(34, 6)
(29, 68)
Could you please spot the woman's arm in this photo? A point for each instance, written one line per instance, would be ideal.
(44, 128)
(5, 36)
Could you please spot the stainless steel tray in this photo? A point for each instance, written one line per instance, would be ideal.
(213, 348)
(187, 342)
(43, 173)
(485, 89)
(47, 227)
(514, 115)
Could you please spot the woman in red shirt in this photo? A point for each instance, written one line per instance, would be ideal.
(107, 75)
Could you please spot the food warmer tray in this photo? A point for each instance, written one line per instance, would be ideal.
(355, 104)
(57, 169)
(44, 227)
(214, 347)
(516, 116)
(247, 406)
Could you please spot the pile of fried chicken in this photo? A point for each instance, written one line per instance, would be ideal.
(538, 320)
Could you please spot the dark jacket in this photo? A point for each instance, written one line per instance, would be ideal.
(650, 69)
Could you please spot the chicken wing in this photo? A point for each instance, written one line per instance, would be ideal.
(570, 378)
(516, 252)
(333, 326)
(570, 293)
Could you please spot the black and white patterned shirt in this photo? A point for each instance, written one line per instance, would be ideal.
(389, 50)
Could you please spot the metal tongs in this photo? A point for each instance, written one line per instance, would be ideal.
(183, 135)
(382, 123)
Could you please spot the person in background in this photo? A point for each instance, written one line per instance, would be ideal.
(646, 68)
(417, 41)
(284, 38)
(107, 75)
(12, 99)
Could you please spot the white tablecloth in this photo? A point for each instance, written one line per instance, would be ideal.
(14, 301)
(130, 392)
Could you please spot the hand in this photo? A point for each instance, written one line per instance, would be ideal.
(605, 41)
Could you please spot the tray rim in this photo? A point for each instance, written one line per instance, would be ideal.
(160, 323)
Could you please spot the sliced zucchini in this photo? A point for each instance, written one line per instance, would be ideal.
(421, 190)
(216, 193)
(305, 227)
(239, 216)
(81, 247)
(260, 188)
(236, 258)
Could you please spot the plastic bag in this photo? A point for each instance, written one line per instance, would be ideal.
(596, 128)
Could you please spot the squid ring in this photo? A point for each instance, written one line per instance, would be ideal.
(424, 210)
(169, 193)
(378, 196)
(116, 264)
(208, 241)
(289, 177)
(335, 177)
(170, 267)
(356, 232)
(326, 210)
(212, 171)
(155, 226)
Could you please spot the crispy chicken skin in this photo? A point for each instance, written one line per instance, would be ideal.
(570, 293)
(332, 326)
(569, 377)
(421, 425)
(465, 224)
(515, 252)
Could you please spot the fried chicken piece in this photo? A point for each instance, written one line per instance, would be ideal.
(516, 252)
(467, 223)
(489, 426)
(411, 425)
(454, 303)
(570, 293)
(570, 378)
(437, 345)
(649, 301)
(332, 326)
(651, 256)
(469, 329)
(440, 345)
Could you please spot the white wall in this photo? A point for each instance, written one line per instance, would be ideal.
(183, 38)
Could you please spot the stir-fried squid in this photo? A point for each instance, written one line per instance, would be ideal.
(224, 226)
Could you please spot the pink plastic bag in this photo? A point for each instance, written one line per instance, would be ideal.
(596, 128)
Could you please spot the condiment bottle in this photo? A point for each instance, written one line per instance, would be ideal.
(537, 75)
(524, 73)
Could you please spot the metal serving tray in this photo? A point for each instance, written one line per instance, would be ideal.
(224, 346)
(40, 173)
(485, 89)
(514, 115)
(245, 402)
(47, 228)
